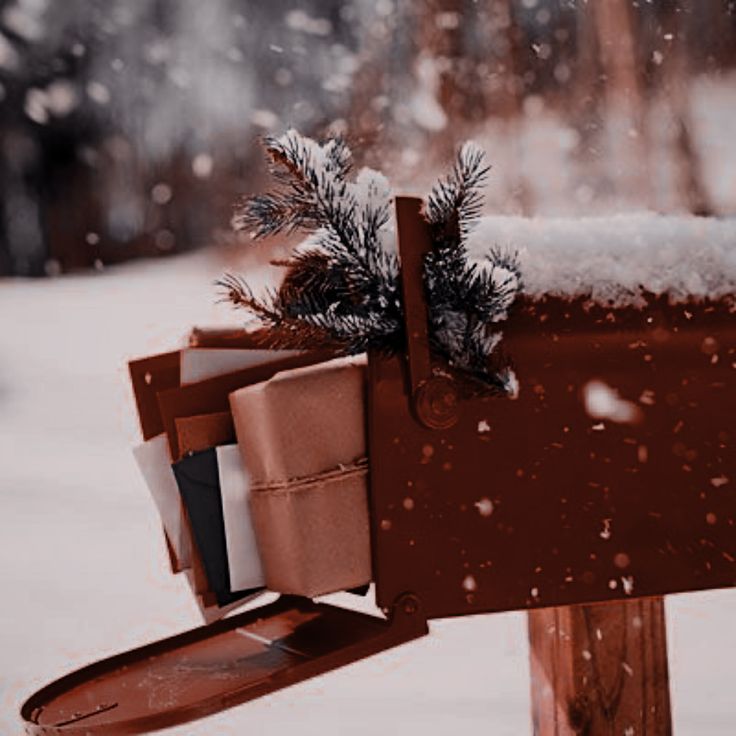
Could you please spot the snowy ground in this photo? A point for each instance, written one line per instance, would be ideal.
(84, 573)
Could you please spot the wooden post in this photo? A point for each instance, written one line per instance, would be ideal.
(600, 669)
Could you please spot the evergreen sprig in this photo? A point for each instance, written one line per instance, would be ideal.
(456, 202)
(467, 298)
(314, 180)
(342, 288)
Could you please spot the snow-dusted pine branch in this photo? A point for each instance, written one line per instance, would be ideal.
(342, 285)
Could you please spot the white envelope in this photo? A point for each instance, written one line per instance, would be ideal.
(243, 559)
(198, 364)
(210, 614)
(154, 460)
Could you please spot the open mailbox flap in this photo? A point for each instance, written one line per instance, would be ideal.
(214, 667)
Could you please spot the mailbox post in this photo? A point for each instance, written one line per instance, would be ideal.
(600, 669)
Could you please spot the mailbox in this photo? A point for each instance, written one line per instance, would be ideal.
(493, 503)
(610, 474)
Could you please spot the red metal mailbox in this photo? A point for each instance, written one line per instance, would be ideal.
(480, 502)
(488, 503)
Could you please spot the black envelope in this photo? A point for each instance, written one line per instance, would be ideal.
(198, 480)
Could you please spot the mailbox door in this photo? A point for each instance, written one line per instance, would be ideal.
(532, 501)
(215, 667)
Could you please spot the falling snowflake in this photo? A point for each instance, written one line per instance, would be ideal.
(603, 402)
(484, 506)
(469, 583)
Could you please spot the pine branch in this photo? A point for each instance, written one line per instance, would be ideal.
(344, 288)
(314, 282)
(456, 202)
(314, 190)
(285, 330)
(316, 196)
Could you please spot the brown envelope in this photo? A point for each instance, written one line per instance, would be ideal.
(211, 396)
(149, 376)
(156, 373)
(203, 431)
(198, 576)
(229, 337)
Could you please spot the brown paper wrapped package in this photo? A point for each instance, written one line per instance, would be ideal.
(302, 438)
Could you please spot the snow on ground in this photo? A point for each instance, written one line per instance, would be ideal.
(84, 573)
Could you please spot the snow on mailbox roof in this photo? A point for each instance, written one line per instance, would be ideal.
(616, 260)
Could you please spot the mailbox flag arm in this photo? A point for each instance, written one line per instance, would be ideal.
(414, 242)
(433, 398)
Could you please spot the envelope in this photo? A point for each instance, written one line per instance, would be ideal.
(203, 431)
(211, 395)
(174, 563)
(210, 614)
(229, 337)
(198, 479)
(244, 561)
(199, 364)
(209, 610)
(205, 599)
(196, 576)
(168, 370)
(196, 573)
(149, 376)
(154, 462)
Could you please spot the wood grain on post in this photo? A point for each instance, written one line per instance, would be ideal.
(600, 669)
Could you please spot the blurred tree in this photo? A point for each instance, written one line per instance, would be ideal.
(678, 26)
(127, 128)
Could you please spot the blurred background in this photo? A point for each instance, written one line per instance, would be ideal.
(128, 129)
